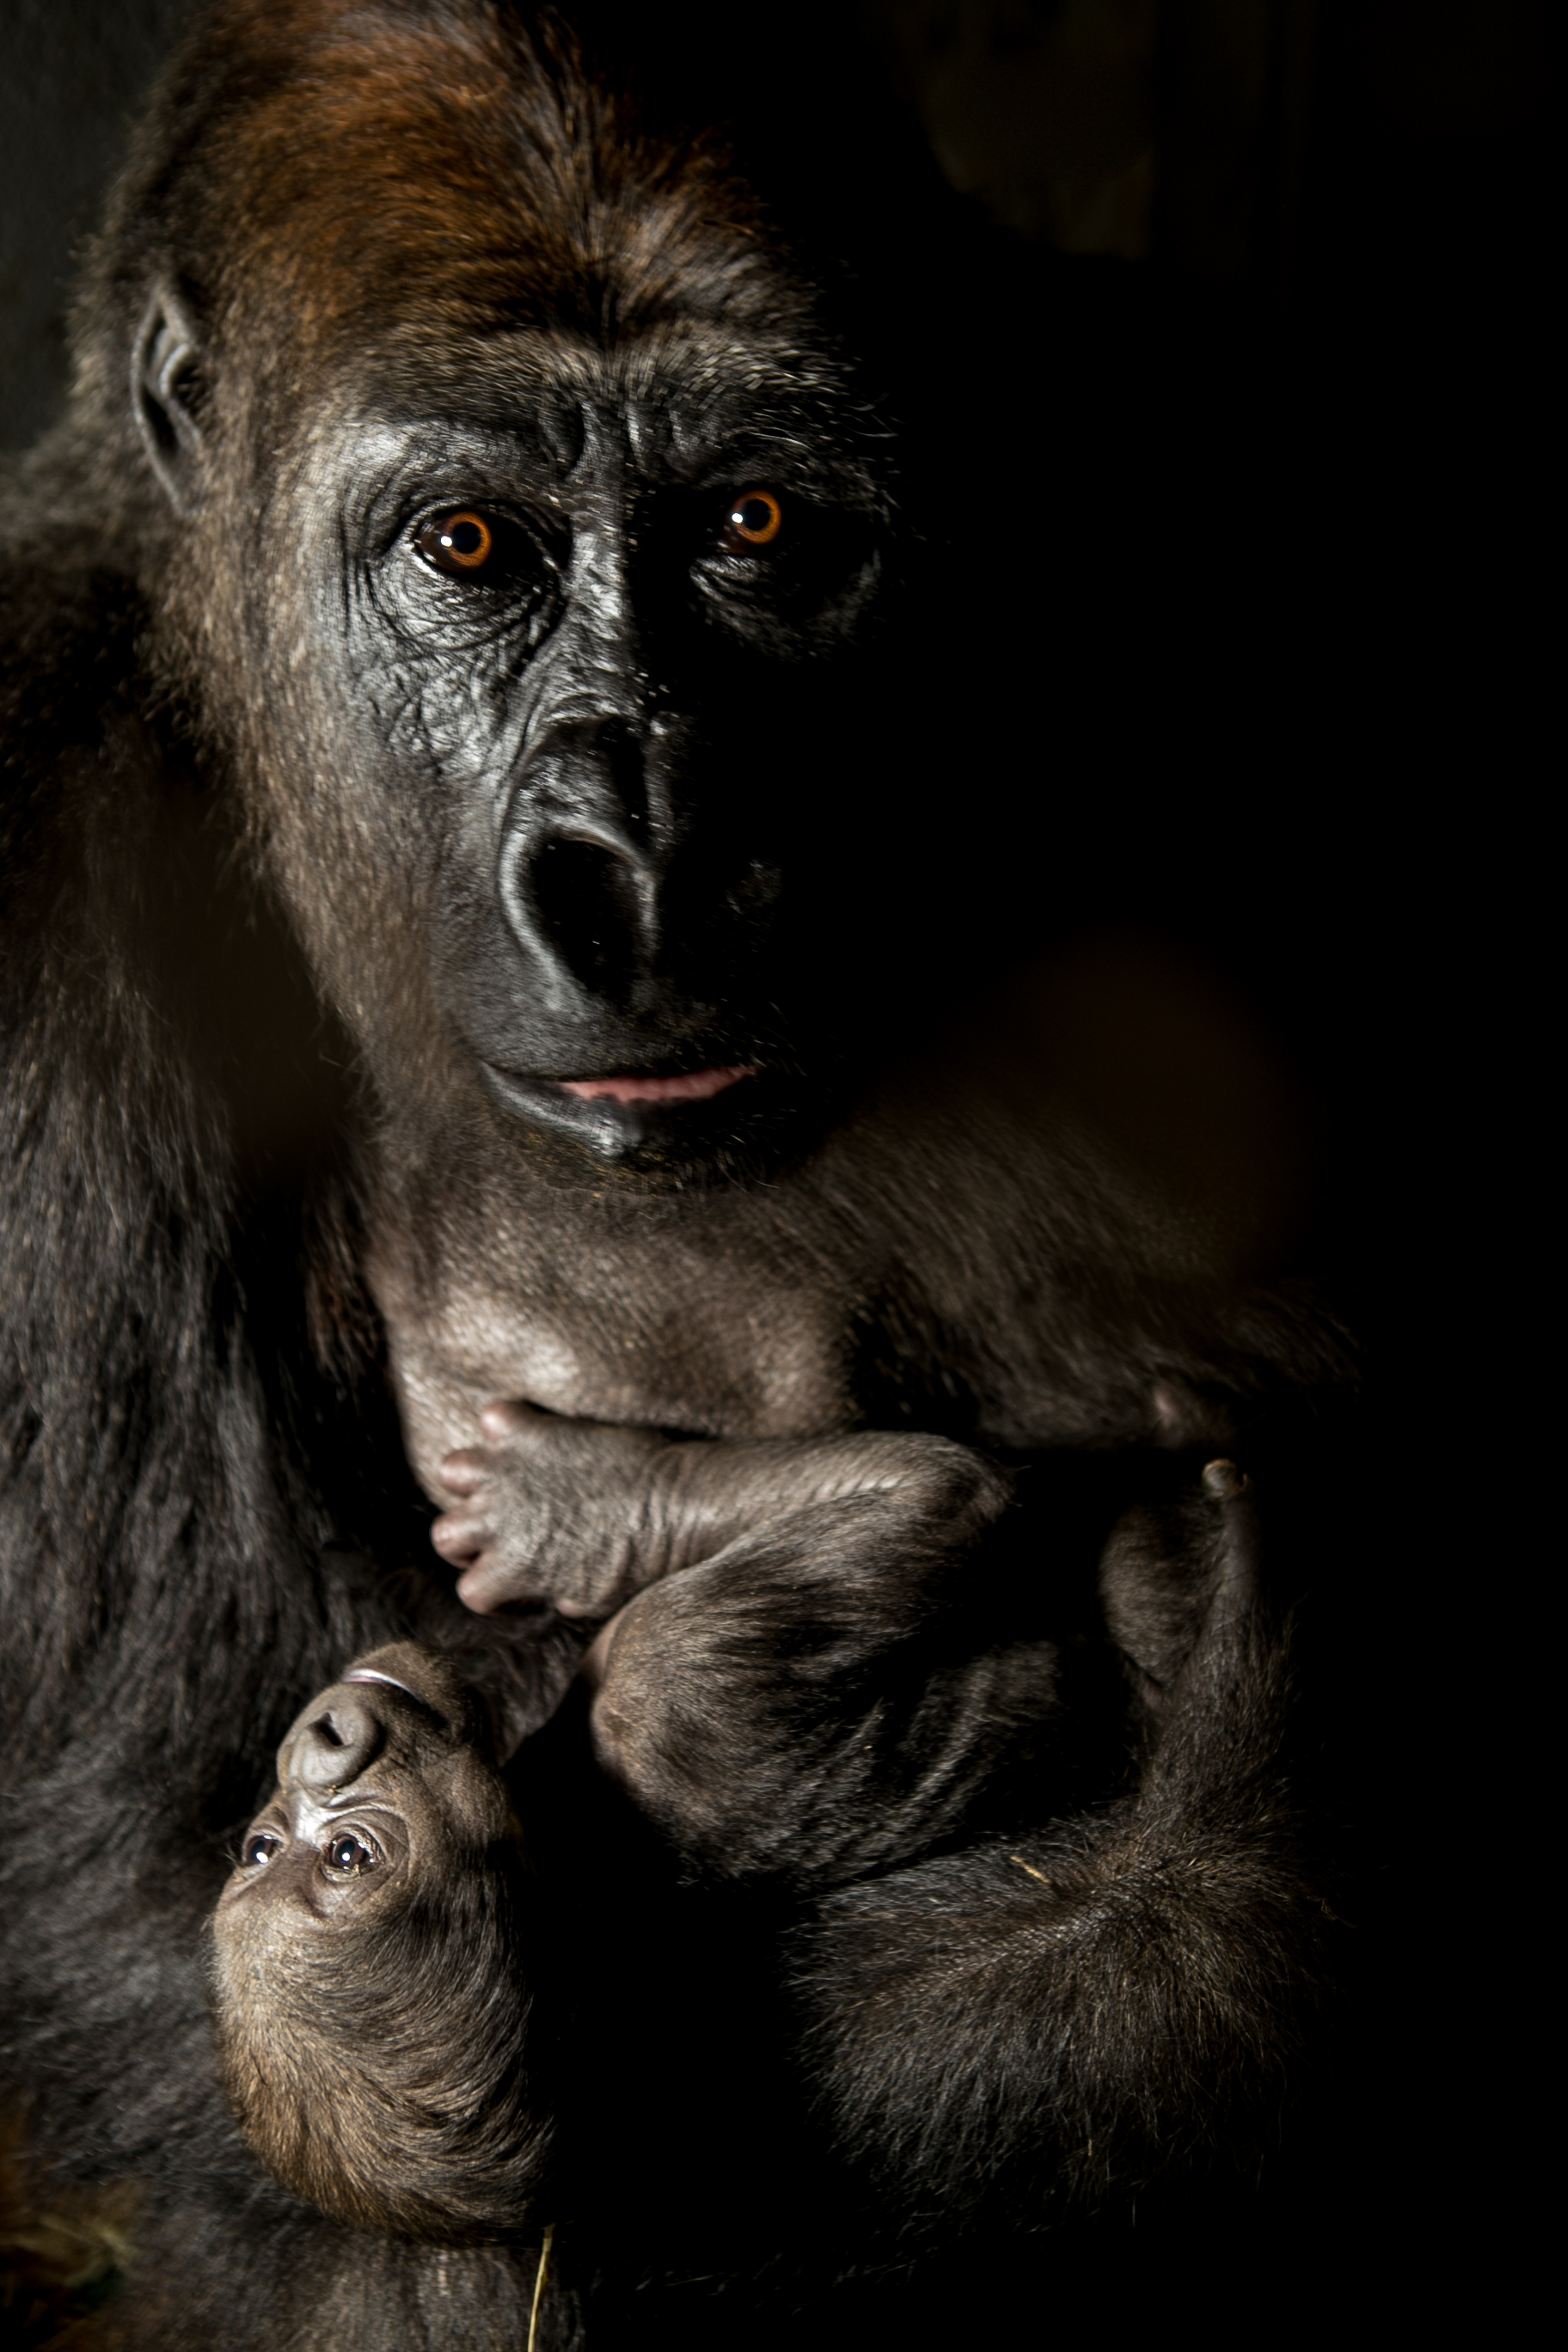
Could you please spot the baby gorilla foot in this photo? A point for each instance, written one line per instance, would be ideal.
(1172, 1562)
(555, 1512)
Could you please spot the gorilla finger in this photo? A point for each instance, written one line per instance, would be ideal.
(460, 1538)
(481, 1589)
(465, 1471)
(1236, 1497)
(507, 1418)
(489, 1583)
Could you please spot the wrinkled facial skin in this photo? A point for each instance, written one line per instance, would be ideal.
(380, 1784)
(578, 640)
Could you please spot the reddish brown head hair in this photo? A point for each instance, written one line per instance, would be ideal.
(322, 176)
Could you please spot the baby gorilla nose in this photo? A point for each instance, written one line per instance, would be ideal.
(335, 1746)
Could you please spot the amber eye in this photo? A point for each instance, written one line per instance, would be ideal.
(346, 1852)
(260, 1847)
(461, 543)
(755, 519)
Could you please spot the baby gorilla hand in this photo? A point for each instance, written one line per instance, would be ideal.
(556, 1511)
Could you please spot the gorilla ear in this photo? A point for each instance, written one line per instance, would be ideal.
(166, 393)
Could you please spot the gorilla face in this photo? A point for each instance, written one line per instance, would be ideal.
(381, 1787)
(579, 650)
(369, 1959)
(608, 652)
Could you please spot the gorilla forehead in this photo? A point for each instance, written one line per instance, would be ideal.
(437, 169)
(668, 405)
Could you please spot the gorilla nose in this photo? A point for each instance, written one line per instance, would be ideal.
(335, 1746)
(578, 883)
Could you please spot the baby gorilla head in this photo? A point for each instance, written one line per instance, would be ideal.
(368, 1964)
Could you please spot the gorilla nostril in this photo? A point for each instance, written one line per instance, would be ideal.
(623, 756)
(590, 909)
(337, 1744)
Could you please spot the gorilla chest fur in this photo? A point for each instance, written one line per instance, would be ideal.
(920, 1268)
(671, 1320)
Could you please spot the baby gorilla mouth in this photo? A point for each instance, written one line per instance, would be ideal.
(686, 1086)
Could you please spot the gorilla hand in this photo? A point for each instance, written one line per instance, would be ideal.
(555, 1511)
(583, 1515)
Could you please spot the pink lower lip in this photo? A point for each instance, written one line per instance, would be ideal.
(686, 1085)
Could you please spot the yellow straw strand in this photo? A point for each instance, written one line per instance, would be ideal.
(539, 2278)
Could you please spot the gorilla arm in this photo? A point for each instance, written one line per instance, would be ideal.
(1091, 1982)
(583, 1515)
(1109, 1997)
(808, 1671)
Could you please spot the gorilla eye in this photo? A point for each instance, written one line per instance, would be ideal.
(462, 543)
(348, 1852)
(261, 1847)
(755, 519)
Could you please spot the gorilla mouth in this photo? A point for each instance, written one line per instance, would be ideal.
(373, 1674)
(634, 1116)
(638, 1087)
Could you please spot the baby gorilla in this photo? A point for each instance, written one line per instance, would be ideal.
(369, 1964)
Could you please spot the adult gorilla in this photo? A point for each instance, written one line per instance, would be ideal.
(465, 916)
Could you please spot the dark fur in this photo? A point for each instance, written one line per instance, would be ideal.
(1178, 1920)
(250, 1159)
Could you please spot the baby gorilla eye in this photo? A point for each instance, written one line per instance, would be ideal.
(346, 1852)
(755, 519)
(261, 1847)
(463, 544)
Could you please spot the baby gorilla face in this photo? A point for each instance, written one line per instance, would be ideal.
(369, 1965)
(381, 1787)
